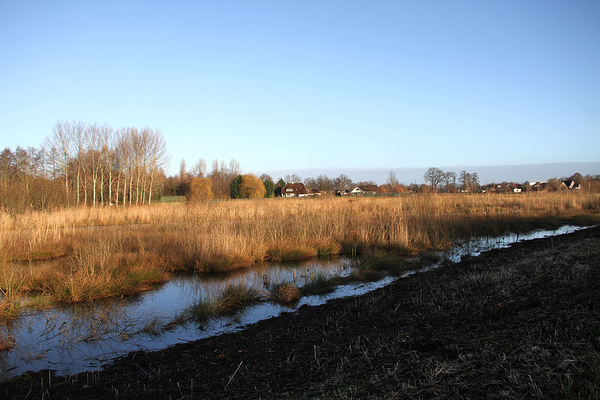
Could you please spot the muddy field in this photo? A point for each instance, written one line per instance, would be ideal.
(522, 322)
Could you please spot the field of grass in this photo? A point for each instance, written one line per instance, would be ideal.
(78, 255)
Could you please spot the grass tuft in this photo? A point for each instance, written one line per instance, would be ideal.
(320, 283)
(368, 275)
(284, 293)
(231, 300)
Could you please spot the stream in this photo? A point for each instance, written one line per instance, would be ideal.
(81, 337)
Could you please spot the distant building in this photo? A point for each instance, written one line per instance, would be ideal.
(295, 190)
(570, 185)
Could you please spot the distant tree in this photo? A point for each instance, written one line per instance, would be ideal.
(222, 175)
(434, 176)
(392, 181)
(474, 181)
(236, 183)
(234, 168)
(591, 183)
(293, 178)
(400, 189)
(200, 189)
(325, 184)
(6, 167)
(468, 181)
(280, 184)
(199, 169)
(60, 146)
(183, 174)
(252, 187)
(264, 177)
(342, 182)
(310, 182)
(366, 183)
(450, 181)
(553, 184)
(267, 180)
(577, 177)
(269, 187)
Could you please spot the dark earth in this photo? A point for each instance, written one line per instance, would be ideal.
(522, 322)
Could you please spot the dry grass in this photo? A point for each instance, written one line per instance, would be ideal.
(83, 254)
(284, 293)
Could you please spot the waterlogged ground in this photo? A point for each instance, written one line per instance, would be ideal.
(77, 338)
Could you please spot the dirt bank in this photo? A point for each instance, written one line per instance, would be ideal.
(522, 322)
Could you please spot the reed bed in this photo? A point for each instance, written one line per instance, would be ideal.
(233, 298)
(76, 255)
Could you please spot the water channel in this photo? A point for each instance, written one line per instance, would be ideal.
(81, 337)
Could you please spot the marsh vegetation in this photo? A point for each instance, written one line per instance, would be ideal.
(85, 254)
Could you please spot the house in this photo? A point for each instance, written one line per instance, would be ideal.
(369, 190)
(570, 185)
(515, 188)
(363, 190)
(315, 191)
(295, 190)
(356, 192)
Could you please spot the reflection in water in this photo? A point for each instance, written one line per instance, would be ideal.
(74, 338)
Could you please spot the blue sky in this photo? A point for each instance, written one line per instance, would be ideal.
(286, 85)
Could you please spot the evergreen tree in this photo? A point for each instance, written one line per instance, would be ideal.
(235, 187)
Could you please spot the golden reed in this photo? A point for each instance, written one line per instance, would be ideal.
(83, 254)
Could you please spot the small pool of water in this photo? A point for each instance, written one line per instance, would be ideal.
(74, 338)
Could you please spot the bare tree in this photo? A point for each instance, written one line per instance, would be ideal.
(199, 169)
(234, 168)
(183, 174)
(469, 182)
(342, 182)
(79, 138)
(392, 181)
(158, 158)
(434, 176)
(293, 178)
(450, 181)
(325, 183)
(108, 147)
(95, 157)
(60, 146)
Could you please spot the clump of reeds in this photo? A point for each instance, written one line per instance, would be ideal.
(289, 252)
(9, 308)
(6, 341)
(320, 283)
(152, 328)
(231, 300)
(200, 311)
(327, 249)
(222, 263)
(10, 287)
(284, 293)
(235, 297)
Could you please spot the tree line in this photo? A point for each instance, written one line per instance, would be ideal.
(449, 182)
(84, 164)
